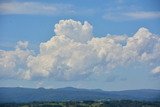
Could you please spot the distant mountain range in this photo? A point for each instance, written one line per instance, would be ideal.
(18, 94)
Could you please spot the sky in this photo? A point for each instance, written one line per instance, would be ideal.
(93, 44)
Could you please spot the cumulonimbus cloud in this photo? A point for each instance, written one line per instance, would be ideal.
(74, 53)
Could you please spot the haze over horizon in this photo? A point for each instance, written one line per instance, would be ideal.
(54, 44)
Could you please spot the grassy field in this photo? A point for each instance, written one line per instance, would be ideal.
(122, 103)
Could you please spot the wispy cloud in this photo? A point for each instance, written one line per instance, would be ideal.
(34, 8)
(126, 11)
(137, 15)
(143, 15)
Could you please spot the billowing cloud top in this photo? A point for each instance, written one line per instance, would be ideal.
(74, 30)
(74, 53)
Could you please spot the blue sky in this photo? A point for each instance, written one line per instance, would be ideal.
(32, 22)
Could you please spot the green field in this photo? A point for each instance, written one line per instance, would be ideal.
(121, 103)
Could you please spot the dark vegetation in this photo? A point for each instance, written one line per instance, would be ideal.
(73, 97)
(114, 103)
(24, 95)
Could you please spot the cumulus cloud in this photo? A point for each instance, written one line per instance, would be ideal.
(74, 30)
(22, 45)
(74, 53)
(13, 63)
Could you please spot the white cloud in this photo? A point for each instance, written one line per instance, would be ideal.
(156, 70)
(74, 30)
(22, 45)
(74, 53)
(131, 15)
(14, 62)
(34, 8)
(143, 15)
